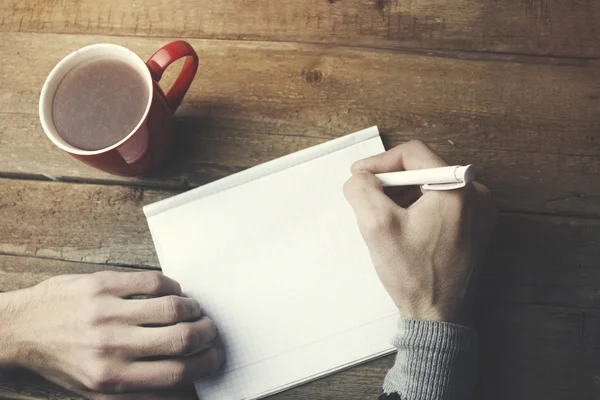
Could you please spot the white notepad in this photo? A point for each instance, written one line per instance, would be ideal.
(274, 256)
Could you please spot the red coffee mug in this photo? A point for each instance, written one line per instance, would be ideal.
(148, 144)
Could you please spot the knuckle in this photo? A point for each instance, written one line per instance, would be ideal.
(101, 377)
(102, 342)
(178, 374)
(486, 200)
(350, 184)
(417, 144)
(96, 284)
(347, 188)
(173, 308)
(152, 280)
(96, 313)
(483, 191)
(356, 183)
(184, 340)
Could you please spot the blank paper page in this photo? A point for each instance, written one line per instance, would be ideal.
(274, 256)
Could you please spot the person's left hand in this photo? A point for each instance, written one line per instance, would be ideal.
(91, 335)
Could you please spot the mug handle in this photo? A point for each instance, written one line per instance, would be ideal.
(165, 56)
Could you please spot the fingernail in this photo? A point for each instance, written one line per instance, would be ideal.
(194, 308)
(220, 365)
(195, 347)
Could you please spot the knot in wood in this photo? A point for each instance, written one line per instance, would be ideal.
(313, 77)
(380, 4)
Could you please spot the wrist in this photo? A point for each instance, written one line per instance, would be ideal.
(11, 308)
(457, 314)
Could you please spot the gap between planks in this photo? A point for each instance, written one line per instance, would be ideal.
(474, 55)
(177, 189)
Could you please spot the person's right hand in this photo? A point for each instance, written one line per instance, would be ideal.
(425, 245)
(86, 333)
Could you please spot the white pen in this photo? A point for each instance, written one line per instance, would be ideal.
(443, 178)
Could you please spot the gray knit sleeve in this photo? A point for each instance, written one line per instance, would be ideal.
(435, 361)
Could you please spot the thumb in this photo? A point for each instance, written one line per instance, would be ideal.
(370, 204)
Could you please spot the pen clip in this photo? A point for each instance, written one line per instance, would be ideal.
(464, 175)
(444, 186)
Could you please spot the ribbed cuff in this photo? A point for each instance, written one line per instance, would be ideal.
(435, 361)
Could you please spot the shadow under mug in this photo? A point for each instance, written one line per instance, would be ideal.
(149, 143)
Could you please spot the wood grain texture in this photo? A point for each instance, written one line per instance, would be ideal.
(24, 385)
(533, 259)
(561, 27)
(530, 352)
(543, 260)
(428, 69)
(519, 120)
(72, 222)
(22, 272)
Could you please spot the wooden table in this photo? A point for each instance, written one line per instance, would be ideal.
(512, 86)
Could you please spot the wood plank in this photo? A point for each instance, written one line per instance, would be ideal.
(24, 385)
(22, 272)
(562, 27)
(49, 226)
(543, 260)
(527, 352)
(533, 259)
(518, 180)
(536, 105)
(519, 121)
(530, 352)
